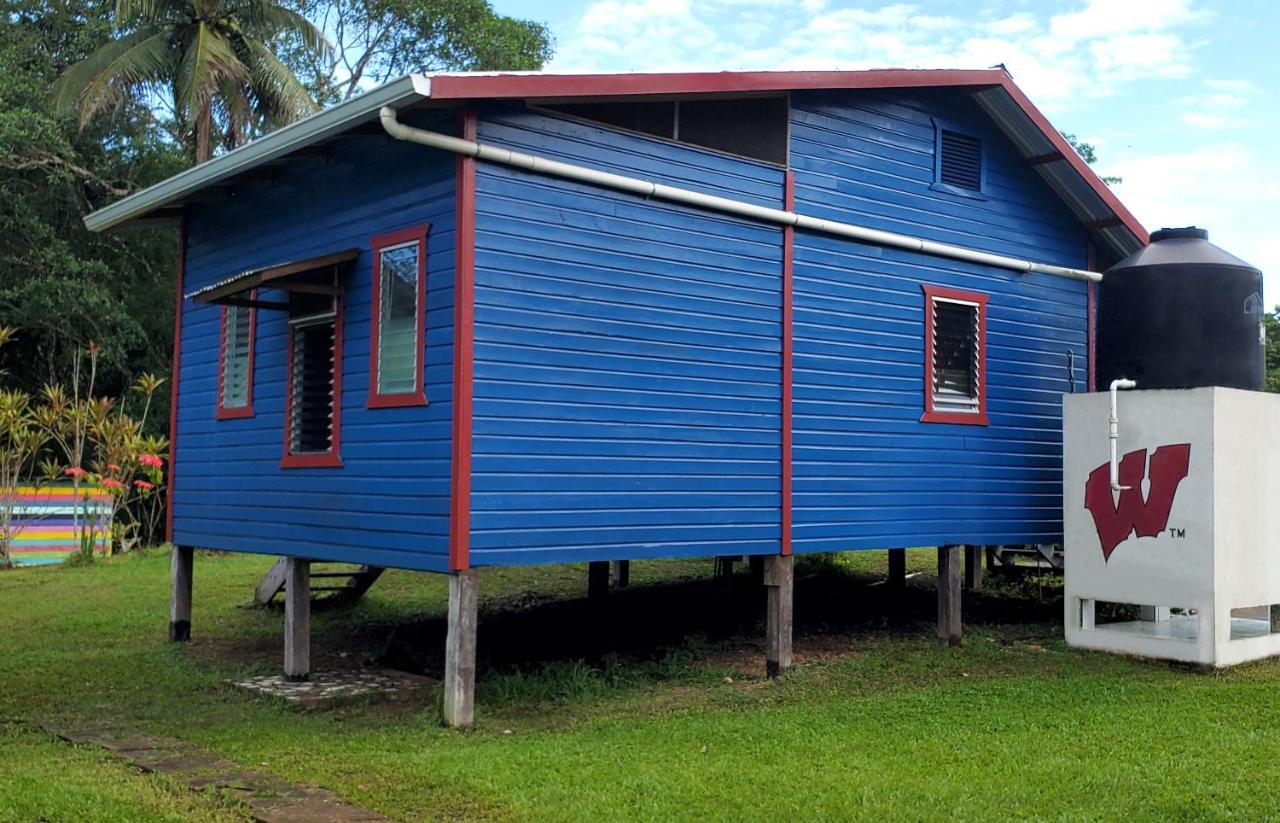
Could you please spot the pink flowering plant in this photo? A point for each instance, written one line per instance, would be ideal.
(116, 471)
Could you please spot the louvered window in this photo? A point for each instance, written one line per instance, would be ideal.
(313, 373)
(959, 160)
(955, 356)
(235, 372)
(956, 362)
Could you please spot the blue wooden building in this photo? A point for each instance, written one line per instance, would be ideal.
(479, 320)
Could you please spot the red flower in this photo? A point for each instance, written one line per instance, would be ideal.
(112, 467)
(75, 471)
(112, 484)
(142, 484)
(151, 461)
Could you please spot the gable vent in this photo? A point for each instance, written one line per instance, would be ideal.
(961, 162)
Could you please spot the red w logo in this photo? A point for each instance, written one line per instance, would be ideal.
(1115, 521)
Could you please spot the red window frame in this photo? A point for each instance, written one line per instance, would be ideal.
(322, 460)
(417, 397)
(236, 412)
(979, 417)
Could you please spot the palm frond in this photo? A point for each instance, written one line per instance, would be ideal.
(150, 11)
(206, 61)
(283, 97)
(106, 77)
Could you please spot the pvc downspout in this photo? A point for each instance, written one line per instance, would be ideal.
(725, 205)
(1113, 432)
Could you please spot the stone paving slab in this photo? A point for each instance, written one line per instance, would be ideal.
(269, 798)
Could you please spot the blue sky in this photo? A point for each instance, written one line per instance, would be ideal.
(1179, 96)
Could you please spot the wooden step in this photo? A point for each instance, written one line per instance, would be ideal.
(359, 580)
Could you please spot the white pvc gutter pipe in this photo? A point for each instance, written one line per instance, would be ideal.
(725, 205)
(1114, 430)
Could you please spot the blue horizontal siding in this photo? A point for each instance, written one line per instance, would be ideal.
(389, 504)
(868, 473)
(627, 356)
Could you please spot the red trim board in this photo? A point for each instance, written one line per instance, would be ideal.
(978, 418)
(331, 459)
(177, 367)
(417, 397)
(788, 348)
(463, 350)
(235, 412)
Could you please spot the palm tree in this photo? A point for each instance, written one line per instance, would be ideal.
(213, 58)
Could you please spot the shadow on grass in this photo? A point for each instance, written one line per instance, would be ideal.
(533, 648)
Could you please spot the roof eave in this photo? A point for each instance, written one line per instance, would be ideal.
(305, 132)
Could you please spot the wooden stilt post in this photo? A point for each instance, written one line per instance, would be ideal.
(180, 597)
(779, 580)
(897, 569)
(297, 619)
(460, 651)
(598, 580)
(1275, 619)
(723, 572)
(973, 567)
(620, 570)
(949, 580)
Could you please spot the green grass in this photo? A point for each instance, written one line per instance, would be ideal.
(876, 721)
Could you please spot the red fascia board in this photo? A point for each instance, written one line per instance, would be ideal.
(463, 349)
(474, 86)
(417, 397)
(788, 354)
(177, 370)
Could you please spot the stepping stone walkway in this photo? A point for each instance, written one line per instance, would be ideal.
(270, 799)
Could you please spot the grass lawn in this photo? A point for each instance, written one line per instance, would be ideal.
(652, 708)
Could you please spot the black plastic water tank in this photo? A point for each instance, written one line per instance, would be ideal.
(1181, 313)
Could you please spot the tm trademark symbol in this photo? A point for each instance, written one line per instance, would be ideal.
(1178, 533)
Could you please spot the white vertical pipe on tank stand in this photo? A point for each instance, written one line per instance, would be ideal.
(1114, 430)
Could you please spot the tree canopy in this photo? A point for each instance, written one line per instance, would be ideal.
(378, 40)
(211, 61)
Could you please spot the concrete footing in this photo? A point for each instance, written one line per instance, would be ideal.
(620, 573)
(973, 567)
(297, 619)
(949, 589)
(897, 569)
(779, 582)
(460, 650)
(180, 597)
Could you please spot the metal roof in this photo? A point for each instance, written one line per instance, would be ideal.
(1113, 226)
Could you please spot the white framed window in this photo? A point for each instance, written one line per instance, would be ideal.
(235, 362)
(399, 325)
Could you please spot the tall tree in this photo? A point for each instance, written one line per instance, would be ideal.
(1088, 154)
(60, 285)
(211, 60)
(377, 40)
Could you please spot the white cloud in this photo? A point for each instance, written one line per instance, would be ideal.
(1223, 186)
(1218, 107)
(1091, 51)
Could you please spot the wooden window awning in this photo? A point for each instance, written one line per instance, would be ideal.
(296, 276)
